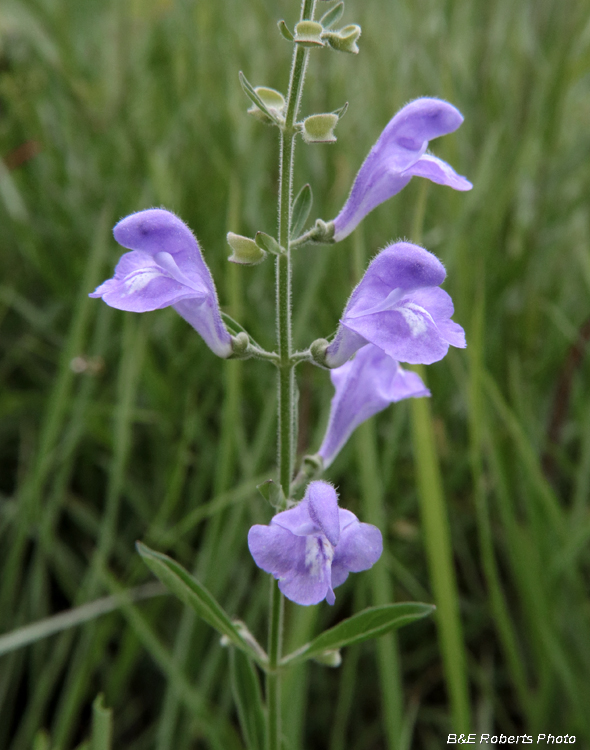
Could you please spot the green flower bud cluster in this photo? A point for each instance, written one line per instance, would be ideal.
(321, 34)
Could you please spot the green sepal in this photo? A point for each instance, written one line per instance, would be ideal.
(268, 243)
(284, 29)
(102, 725)
(300, 211)
(332, 16)
(273, 494)
(308, 34)
(256, 99)
(245, 251)
(370, 623)
(320, 128)
(248, 699)
(344, 40)
(192, 593)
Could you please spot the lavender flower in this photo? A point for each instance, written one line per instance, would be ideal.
(165, 268)
(398, 307)
(364, 386)
(312, 548)
(399, 155)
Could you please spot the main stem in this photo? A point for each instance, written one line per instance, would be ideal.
(286, 380)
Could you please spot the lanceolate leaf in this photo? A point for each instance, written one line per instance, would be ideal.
(332, 16)
(283, 28)
(193, 593)
(370, 623)
(255, 99)
(248, 698)
(301, 209)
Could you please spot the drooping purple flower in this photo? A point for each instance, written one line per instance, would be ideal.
(399, 307)
(312, 548)
(364, 386)
(399, 155)
(165, 268)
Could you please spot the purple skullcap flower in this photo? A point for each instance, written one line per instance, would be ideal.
(399, 155)
(399, 307)
(165, 268)
(312, 548)
(364, 386)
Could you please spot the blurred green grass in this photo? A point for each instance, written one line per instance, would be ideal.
(109, 107)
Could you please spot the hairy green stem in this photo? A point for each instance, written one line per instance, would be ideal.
(286, 380)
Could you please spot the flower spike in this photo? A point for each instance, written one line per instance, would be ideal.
(399, 155)
(399, 307)
(312, 548)
(165, 268)
(364, 386)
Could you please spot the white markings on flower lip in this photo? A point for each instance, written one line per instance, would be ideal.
(318, 552)
(137, 280)
(414, 315)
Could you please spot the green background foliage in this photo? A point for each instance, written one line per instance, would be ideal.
(115, 426)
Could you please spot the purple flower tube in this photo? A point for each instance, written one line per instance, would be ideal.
(165, 268)
(364, 386)
(312, 548)
(399, 155)
(399, 307)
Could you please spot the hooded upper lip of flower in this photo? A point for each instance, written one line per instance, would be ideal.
(165, 268)
(364, 386)
(313, 547)
(399, 307)
(398, 155)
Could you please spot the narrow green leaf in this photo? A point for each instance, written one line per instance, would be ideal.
(195, 595)
(48, 626)
(246, 691)
(283, 28)
(102, 725)
(254, 98)
(268, 243)
(341, 111)
(301, 209)
(332, 16)
(370, 623)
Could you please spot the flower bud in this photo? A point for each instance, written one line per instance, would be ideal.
(245, 251)
(345, 39)
(308, 34)
(320, 128)
(331, 658)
